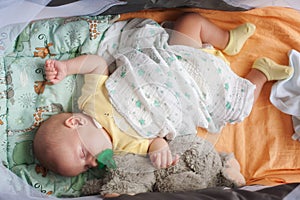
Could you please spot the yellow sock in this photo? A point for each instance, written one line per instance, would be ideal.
(272, 70)
(238, 37)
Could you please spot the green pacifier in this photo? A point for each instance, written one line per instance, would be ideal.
(105, 158)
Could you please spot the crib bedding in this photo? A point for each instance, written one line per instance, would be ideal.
(262, 143)
(27, 99)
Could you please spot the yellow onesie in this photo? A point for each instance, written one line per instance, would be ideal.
(94, 101)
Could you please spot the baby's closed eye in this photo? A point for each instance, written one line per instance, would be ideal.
(82, 154)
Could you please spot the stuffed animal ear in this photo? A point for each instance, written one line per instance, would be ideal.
(75, 121)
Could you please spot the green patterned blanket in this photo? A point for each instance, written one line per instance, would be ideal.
(26, 100)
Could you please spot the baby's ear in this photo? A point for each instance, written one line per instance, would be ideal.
(75, 121)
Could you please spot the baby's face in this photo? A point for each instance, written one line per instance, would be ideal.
(74, 159)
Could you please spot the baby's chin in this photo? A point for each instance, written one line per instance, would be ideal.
(69, 173)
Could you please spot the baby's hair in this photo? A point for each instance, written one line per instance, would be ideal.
(49, 139)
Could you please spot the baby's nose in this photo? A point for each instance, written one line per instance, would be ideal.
(93, 162)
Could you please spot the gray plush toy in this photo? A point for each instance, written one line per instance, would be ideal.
(199, 166)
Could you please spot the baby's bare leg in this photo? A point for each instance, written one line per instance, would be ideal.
(198, 30)
(258, 79)
(192, 29)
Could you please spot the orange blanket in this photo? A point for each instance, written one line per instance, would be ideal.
(262, 143)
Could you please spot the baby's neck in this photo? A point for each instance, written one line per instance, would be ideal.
(107, 142)
(107, 137)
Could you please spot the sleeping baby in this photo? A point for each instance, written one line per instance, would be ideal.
(200, 85)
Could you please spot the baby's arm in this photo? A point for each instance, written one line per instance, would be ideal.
(160, 154)
(56, 70)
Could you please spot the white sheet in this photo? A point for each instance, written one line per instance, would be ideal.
(285, 94)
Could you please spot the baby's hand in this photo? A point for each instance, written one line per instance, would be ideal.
(55, 71)
(163, 158)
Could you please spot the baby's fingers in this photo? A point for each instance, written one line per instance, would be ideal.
(49, 65)
(175, 160)
(163, 159)
(50, 76)
(166, 159)
(156, 159)
(50, 70)
(50, 73)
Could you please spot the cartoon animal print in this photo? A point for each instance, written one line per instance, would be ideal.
(42, 52)
(8, 78)
(38, 114)
(41, 169)
(22, 40)
(22, 153)
(93, 28)
(39, 86)
(9, 93)
(56, 107)
(38, 119)
(40, 187)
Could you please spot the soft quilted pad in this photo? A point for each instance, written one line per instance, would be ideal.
(26, 99)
